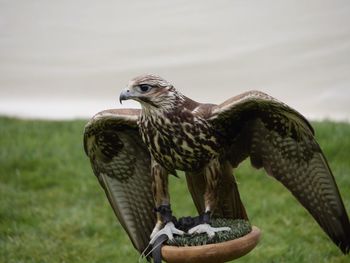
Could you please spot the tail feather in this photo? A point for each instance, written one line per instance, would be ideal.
(229, 204)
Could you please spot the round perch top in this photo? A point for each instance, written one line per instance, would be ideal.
(213, 253)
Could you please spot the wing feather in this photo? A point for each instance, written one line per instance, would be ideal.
(121, 163)
(281, 140)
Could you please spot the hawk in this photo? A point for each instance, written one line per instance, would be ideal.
(133, 151)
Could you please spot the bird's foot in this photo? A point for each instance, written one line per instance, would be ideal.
(156, 229)
(169, 230)
(206, 228)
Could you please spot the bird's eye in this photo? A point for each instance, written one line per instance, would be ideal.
(144, 87)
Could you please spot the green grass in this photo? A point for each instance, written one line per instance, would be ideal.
(53, 210)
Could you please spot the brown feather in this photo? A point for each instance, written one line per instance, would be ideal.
(206, 141)
(121, 163)
(281, 140)
(228, 203)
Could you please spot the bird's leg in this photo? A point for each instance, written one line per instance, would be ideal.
(164, 223)
(212, 173)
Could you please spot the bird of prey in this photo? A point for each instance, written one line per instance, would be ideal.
(133, 151)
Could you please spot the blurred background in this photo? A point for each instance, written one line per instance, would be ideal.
(66, 60)
(69, 59)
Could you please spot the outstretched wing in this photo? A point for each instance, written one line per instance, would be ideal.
(121, 163)
(281, 140)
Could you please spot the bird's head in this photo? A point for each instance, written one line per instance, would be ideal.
(151, 91)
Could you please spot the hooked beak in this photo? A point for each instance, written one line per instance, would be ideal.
(126, 94)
